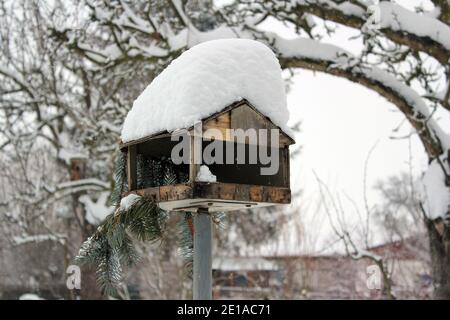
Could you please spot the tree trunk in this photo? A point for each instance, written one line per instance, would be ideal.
(439, 236)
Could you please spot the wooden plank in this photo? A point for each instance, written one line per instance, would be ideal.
(287, 166)
(284, 166)
(286, 138)
(149, 192)
(226, 190)
(256, 193)
(175, 192)
(277, 196)
(243, 193)
(244, 117)
(195, 157)
(162, 134)
(132, 168)
(222, 123)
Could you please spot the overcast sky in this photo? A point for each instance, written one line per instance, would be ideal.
(341, 122)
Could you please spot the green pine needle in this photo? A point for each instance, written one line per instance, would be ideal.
(111, 246)
(120, 177)
(186, 241)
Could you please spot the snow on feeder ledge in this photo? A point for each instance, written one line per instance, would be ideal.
(219, 110)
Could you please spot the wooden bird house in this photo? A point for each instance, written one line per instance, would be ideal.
(238, 184)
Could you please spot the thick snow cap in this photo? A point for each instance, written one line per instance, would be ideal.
(204, 80)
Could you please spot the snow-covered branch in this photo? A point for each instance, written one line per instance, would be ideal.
(347, 236)
(314, 55)
(417, 31)
(82, 185)
(20, 240)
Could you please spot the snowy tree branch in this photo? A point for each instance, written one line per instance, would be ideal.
(314, 55)
(416, 31)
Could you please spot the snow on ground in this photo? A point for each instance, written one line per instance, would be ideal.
(205, 175)
(30, 296)
(204, 80)
(128, 201)
(436, 195)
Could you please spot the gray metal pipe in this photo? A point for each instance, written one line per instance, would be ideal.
(202, 255)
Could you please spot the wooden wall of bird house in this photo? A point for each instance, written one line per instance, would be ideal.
(218, 128)
(213, 142)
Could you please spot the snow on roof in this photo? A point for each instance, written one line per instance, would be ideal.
(206, 79)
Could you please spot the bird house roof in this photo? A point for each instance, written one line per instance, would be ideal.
(246, 117)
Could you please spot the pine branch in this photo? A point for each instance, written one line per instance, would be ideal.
(120, 177)
(90, 251)
(145, 172)
(186, 241)
(111, 246)
(109, 271)
(127, 253)
(219, 220)
(142, 220)
(170, 176)
(158, 172)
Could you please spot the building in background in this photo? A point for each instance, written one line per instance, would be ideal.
(323, 276)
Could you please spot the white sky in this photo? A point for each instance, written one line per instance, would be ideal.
(341, 122)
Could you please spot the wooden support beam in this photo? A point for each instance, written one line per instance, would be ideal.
(132, 168)
(195, 152)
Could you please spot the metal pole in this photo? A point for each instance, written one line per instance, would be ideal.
(202, 255)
